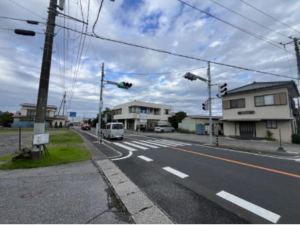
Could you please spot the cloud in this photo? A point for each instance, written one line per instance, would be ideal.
(166, 25)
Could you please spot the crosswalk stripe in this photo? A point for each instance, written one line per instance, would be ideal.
(154, 143)
(134, 145)
(126, 147)
(176, 142)
(168, 143)
(144, 144)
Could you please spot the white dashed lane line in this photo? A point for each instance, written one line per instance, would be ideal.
(145, 158)
(266, 214)
(175, 172)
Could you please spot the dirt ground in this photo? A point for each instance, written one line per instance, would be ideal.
(9, 142)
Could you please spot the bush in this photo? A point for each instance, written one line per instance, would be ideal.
(185, 131)
(296, 138)
(55, 125)
(60, 124)
(270, 136)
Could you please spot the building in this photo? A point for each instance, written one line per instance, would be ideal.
(252, 110)
(25, 117)
(190, 122)
(133, 113)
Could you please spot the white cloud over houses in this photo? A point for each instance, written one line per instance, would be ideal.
(166, 25)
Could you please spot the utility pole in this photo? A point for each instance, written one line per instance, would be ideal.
(41, 107)
(100, 105)
(209, 103)
(298, 65)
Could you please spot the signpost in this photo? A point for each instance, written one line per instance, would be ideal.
(72, 114)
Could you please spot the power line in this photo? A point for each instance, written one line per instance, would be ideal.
(269, 16)
(250, 19)
(288, 61)
(271, 42)
(27, 9)
(169, 72)
(185, 56)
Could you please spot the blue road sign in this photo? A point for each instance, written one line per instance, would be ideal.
(72, 114)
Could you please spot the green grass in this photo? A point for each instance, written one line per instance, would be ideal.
(6, 158)
(60, 152)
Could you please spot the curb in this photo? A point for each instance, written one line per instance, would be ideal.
(139, 206)
(141, 209)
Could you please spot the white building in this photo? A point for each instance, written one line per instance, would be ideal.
(252, 110)
(145, 113)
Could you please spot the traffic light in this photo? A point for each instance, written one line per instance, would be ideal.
(124, 85)
(204, 106)
(190, 76)
(222, 90)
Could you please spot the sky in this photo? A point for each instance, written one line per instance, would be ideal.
(168, 25)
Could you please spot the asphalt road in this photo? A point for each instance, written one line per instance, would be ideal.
(197, 184)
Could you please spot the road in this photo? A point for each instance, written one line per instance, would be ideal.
(197, 184)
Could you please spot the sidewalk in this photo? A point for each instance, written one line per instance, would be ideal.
(231, 143)
(65, 194)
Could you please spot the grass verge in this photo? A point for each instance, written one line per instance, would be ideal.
(65, 146)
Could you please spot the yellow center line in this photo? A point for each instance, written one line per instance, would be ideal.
(232, 161)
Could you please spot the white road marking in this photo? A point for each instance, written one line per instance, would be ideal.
(106, 141)
(266, 214)
(149, 142)
(134, 145)
(167, 143)
(298, 160)
(126, 147)
(130, 153)
(148, 145)
(145, 158)
(175, 172)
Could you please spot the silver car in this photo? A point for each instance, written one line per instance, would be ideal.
(164, 128)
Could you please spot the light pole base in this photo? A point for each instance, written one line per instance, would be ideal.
(35, 155)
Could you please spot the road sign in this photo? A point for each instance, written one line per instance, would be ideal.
(143, 118)
(40, 139)
(72, 114)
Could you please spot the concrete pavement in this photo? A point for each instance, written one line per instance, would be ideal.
(70, 193)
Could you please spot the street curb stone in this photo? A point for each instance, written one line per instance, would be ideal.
(137, 203)
(140, 207)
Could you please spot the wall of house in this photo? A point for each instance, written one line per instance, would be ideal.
(188, 124)
(284, 126)
(262, 112)
(126, 115)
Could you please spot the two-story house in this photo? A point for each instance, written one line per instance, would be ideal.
(136, 112)
(25, 117)
(249, 111)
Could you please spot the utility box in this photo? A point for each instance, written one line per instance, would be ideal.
(200, 129)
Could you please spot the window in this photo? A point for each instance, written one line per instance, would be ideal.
(30, 112)
(118, 111)
(272, 124)
(274, 99)
(47, 113)
(117, 126)
(167, 112)
(108, 126)
(132, 109)
(237, 103)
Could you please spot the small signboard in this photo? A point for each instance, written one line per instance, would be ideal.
(143, 118)
(72, 114)
(40, 139)
(105, 118)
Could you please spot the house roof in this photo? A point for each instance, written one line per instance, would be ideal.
(257, 86)
(204, 117)
(34, 105)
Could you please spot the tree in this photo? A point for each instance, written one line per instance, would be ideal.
(90, 122)
(177, 118)
(107, 111)
(60, 124)
(6, 119)
(55, 125)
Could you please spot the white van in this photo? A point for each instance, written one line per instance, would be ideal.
(114, 130)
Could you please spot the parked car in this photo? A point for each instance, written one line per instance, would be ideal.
(85, 127)
(114, 130)
(163, 128)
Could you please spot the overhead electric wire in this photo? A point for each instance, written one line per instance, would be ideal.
(271, 42)
(149, 73)
(288, 61)
(27, 9)
(250, 19)
(269, 16)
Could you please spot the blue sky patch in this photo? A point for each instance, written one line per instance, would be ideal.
(245, 76)
(151, 23)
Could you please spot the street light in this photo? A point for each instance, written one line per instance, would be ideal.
(193, 77)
